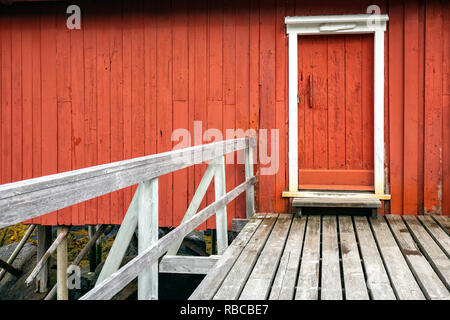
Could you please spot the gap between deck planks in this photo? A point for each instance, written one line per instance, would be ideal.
(333, 257)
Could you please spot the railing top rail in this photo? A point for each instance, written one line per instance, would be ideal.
(30, 198)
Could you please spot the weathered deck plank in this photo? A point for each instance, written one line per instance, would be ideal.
(437, 233)
(308, 278)
(283, 287)
(437, 258)
(212, 282)
(377, 279)
(261, 278)
(234, 282)
(402, 279)
(428, 280)
(354, 282)
(444, 222)
(331, 276)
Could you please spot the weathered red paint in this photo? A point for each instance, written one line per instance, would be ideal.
(118, 87)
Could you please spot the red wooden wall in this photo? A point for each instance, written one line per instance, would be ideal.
(136, 70)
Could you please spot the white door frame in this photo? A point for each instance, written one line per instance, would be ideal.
(337, 24)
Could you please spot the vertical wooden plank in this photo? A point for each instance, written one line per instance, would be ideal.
(27, 99)
(336, 102)
(49, 101)
(6, 100)
(396, 105)
(90, 103)
(36, 99)
(446, 109)
(268, 98)
(148, 235)
(319, 103)
(64, 104)
(164, 104)
(16, 98)
(229, 123)
(116, 95)
(242, 92)
(199, 48)
(433, 109)
(367, 100)
(215, 50)
(353, 113)
(250, 193)
(281, 204)
(229, 52)
(254, 74)
(103, 74)
(78, 145)
(44, 238)
(411, 114)
(221, 214)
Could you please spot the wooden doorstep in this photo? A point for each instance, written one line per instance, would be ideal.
(336, 202)
(336, 193)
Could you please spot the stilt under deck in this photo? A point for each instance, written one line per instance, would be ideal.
(334, 257)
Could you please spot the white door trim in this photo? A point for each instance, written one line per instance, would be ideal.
(338, 24)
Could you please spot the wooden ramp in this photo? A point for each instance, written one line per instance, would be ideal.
(282, 257)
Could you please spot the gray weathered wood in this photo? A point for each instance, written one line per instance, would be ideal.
(214, 279)
(261, 278)
(284, 284)
(437, 233)
(250, 193)
(377, 279)
(44, 235)
(19, 247)
(402, 279)
(62, 292)
(435, 256)
(33, 197)
(196, 200)
(80, 256)
(118, 280)
(337, 202)
(221, 215)
(187, 264)
(41, 263)
(235, 280)
(308, 278)
(427, 279)
(444, 222)
(148, 235)
(122, 240)
(331, 276)
(354, 281)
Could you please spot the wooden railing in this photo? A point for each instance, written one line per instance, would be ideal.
(31, 198)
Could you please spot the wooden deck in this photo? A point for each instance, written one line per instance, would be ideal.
(334, 258)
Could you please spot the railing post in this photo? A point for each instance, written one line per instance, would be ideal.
(61, 268)
(250, 192)
(221, 214)
(148, 235)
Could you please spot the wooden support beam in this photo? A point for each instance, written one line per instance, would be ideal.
(17, 249)
(62, 292)
(250, 193)
(123, 238)
(92, 251)
(221, 215)
(59, 239)
(148, 235)
(187, 264)
(9, 268)
(44, 242)
(196, 200)
(80, 256)
(117, 281)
